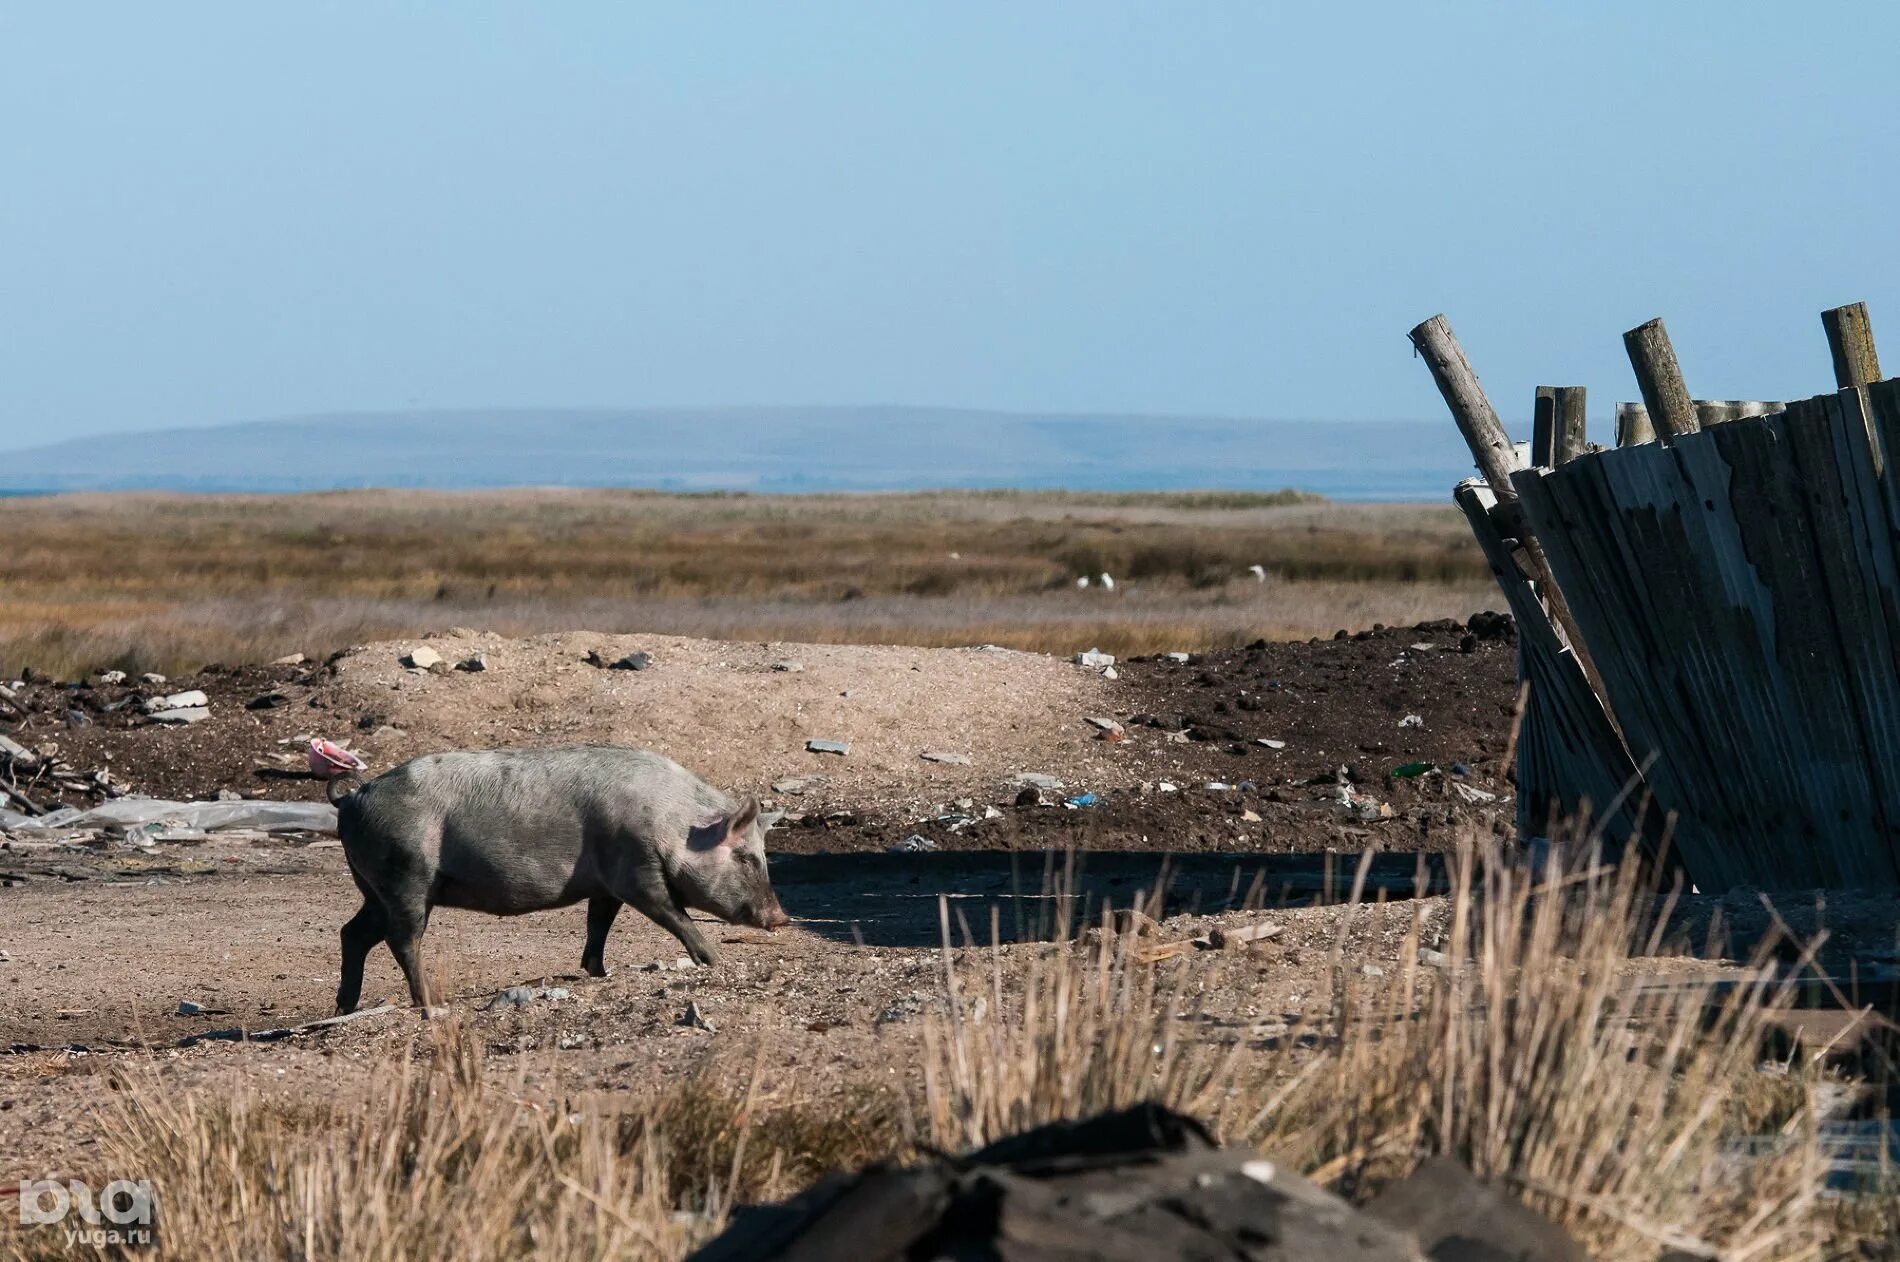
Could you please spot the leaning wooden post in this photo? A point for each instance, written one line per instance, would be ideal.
(1666, 398)
(1850, 339)
(1491, 448)
(1572, 440)
(1477, 420)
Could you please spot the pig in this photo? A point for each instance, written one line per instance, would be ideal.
(510, 831)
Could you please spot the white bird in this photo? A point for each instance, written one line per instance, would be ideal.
(1258, 571)
(1083, 581)
(1107, 582)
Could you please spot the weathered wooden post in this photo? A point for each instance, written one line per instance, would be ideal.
(1572, 439)
(1491, 448)
(1850, 339)
(1665, 396)
(1632, 425)
(1557, 426)
(1476, 419)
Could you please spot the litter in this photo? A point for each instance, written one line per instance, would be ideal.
(329, 760)
(1406, 771)
(1080, 799)
(130, 813)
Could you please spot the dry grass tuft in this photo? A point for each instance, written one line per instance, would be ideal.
(1537, 1056)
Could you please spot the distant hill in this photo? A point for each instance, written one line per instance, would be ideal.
(767, 449)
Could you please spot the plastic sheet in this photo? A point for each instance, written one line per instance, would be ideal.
(312, 817)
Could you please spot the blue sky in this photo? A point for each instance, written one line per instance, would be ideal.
(219, 212)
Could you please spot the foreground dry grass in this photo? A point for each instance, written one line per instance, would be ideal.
(1533, 1053)
(171, 582)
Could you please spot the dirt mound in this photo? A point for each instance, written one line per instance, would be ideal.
(741, 714)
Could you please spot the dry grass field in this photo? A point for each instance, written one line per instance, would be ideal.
(169, 582)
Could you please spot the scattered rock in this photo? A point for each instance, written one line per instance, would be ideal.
(473, 665)
(799, 784)
(1181, 659)
(1036, 780)
(1108, 672)
(1095, 657)
(19, 754)
(790, 666)
(151, 677)
(289, 659)
(632, 661)
(902, 1009)
(945, 756)
(112, 677)
(1422, 647)
(1030, 796)
(916, 843)
(267, 701)
(694, 1019)
(1103, 724)
(1237, 937)
(230, 795)
(840, 748)
(1261, 740)
(422, 658)
(178, 700)
(1412, 720)
(1456, 1217)
(187, 1008)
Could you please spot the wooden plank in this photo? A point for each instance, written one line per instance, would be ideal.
(1671, 411)
(1850, 341)
(1570, 760)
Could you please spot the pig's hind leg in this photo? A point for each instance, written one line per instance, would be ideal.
(601, 910)
(360, 936)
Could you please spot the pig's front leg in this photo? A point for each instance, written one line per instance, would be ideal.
(657, 905)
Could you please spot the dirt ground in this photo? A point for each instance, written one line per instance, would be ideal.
(100, 943)
(1440, 694)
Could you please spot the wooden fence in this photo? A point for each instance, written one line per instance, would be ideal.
(1709, 615)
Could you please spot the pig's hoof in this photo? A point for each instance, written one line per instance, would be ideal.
(593, 969)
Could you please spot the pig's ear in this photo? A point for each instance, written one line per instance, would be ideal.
(740, 822)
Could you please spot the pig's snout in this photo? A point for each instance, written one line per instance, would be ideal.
(774, 919)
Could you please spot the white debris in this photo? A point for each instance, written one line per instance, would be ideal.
(1412, 720)
(1270, 744)
(1035, 780)
(290, 659)
(112, 677)
(1095, 657)
(1180, 658)
(1083, 581)
(840, 748)
(1259, 572)
(1108, 583)
(184, 714)
(1471, 792)
(1103, 723)
(423, 657)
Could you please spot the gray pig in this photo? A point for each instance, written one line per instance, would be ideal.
(510, 831)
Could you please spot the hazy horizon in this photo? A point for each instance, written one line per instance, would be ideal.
(234, 212)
